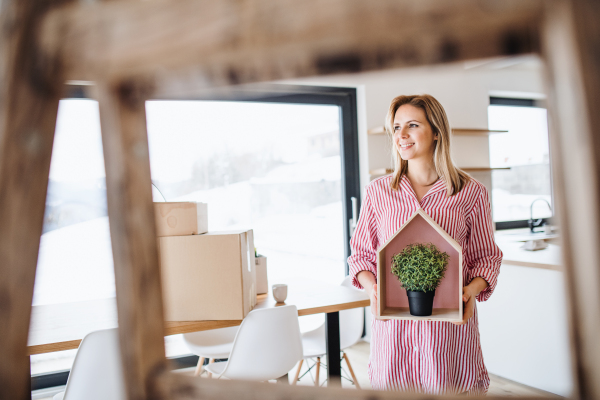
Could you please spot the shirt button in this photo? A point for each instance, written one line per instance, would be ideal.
(416, 349)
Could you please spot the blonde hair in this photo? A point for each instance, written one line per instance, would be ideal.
(455, 178)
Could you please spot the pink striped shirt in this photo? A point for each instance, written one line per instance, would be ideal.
(428, 356)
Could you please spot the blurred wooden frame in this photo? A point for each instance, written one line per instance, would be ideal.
(135, 50)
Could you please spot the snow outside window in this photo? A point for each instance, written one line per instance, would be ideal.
(274, 168)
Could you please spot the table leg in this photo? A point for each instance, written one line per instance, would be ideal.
(29, 370)
(334, 368)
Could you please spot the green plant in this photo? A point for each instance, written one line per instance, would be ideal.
(420, 267)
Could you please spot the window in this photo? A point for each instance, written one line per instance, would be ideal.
(284, 164)
(274, 168)
(523, 161)
(75, 259)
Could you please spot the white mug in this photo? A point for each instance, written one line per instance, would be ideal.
(280, 292)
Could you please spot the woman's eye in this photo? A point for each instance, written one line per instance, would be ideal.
(413, 125)
(396, 128)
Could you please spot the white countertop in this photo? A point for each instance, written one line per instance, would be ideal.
(510, 242)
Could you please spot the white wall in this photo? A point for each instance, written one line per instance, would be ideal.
(522, 326)
(464, 93)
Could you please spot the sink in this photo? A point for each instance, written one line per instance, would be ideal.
(524, 236)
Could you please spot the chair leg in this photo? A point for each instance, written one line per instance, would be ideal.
(212, 360)
(351, 371)
(199, 366)
(318, 369)
(298, 372)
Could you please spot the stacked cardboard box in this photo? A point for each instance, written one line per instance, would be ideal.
(181, 218)
(205, 275)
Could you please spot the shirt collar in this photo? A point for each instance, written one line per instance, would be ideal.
(438, 186)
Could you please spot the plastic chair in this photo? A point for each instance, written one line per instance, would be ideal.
(97, 373)
(211, 344)
(266, 347)
(351, 329)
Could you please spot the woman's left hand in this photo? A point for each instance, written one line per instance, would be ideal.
(470, 293)
(469, 305)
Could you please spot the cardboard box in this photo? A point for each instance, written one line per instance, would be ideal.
(262, 283)
(208, 277)
(181, 218)
(391, 296)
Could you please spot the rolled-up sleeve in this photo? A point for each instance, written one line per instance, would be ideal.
(364, 243)
(482, 256)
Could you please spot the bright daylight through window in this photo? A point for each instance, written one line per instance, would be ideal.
(273, 168)
(523, 156)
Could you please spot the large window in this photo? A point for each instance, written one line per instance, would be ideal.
(75, 259)
(285, 166)
(274, 168)
(522, 154)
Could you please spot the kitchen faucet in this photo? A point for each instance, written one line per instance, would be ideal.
(539, 222)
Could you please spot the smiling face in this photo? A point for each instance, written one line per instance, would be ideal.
(413, 135)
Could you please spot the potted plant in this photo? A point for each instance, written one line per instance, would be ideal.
(420, 267)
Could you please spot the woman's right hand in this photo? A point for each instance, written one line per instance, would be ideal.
(373, 297)
(367, 280)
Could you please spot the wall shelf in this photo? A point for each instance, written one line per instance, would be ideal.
(386, 171)
(482, 169)
(474, 132)
(381, 171)
(380, 130)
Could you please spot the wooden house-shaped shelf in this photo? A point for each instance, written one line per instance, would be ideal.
(392, 298)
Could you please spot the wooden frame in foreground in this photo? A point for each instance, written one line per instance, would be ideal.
(135, 50)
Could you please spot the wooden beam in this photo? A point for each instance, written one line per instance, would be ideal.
(132, 229)
(180, 387)
(29, 95)
(233, 42)
(571, 43)
(208, 44)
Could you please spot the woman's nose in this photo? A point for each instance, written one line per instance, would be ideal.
(402, 133)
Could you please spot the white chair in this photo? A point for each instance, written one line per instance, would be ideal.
(266, 347)
(351, 329)
(211, 344)
(97, 373)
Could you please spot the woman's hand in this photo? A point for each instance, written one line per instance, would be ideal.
(470, 293)
(373, 297)
(367, 280)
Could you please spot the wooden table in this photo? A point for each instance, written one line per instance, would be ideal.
(60, 327)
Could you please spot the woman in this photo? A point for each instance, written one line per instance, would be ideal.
(427, 356)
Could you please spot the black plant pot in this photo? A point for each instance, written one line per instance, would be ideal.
(420, 304)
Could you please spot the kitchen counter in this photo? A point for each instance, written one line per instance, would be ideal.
(510, 242)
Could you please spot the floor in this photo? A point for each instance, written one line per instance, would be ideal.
(359, 356)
